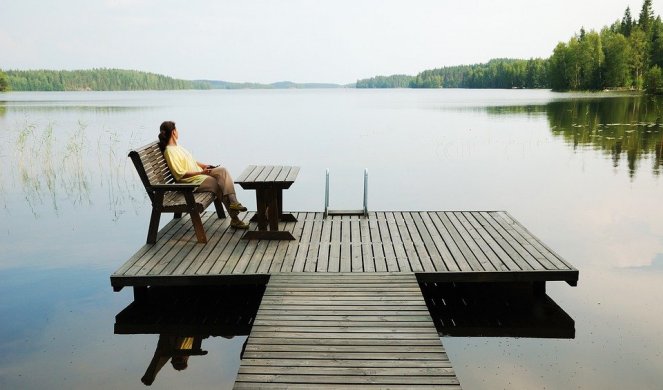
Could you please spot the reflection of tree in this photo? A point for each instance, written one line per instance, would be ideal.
(618, 126)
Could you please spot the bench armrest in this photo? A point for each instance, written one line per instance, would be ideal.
(181, 187)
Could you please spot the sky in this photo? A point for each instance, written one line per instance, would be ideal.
(265, 41)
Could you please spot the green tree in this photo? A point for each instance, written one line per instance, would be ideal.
(616, 49)
(638, 56)
(655, 80)
(4, 82)
(646, 16)
(627, 23)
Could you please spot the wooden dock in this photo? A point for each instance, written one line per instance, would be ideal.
(436, 245)
(343, 307)
(344, 330)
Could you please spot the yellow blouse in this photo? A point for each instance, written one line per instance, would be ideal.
(180, 161)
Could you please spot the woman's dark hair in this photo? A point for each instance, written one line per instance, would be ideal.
(165, 132)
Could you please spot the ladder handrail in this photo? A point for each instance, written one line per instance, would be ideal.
(364, 210)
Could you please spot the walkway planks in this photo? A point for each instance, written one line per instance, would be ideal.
(344, 330)
(437, 245)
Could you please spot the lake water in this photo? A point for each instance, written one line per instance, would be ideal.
(580, 171)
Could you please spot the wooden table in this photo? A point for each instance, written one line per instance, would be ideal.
(269, 181)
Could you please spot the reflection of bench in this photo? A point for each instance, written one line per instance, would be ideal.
(166, 195)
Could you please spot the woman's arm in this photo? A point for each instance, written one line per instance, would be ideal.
(205, 171)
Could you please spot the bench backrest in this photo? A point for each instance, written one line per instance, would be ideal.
(151, 166)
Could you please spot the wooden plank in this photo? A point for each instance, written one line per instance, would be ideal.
(364, 371)
(508, 262)
(335, 245)
(536, 259)
(399, 249)
(292, 175)
(497, 237)
(366, 247)
(191, 249)
(311, 262)
(345, 263)
(276, 171)
(293, 246)
(203, 262)
(265, 173)
(281, 250)
(283, 174)
(473, 246)
(379, 260)
(218, 259)
(347, 363)
(467, 254)
(422, 251)
(357, 257)
(245, 174)
(325, 334)
(404, 234)
(338, 386)
(549, 254)
(303, 247)
(325, 247)
(518, 249)
(495, 262)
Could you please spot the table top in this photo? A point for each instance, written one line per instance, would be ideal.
(255, 176)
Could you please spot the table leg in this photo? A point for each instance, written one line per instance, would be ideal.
(261, 206)
(274, 209)
(283, 217)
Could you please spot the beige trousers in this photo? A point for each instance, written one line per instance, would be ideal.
(221, 183)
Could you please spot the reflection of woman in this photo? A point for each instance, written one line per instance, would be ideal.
(177, 349)
(209, 178)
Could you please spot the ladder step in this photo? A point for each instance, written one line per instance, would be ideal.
(345, 212)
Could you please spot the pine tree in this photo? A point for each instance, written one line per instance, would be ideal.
(646, 16)
(627, 23)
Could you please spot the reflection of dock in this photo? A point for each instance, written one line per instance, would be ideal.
(342, 304)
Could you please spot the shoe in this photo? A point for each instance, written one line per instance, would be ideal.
(236, 206)
(239, 224)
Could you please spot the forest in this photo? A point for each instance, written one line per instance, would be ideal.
(92, 80)
(627, 55)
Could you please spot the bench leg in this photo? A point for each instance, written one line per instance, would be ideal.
(195, 217)
(154, 226)
(218, 205)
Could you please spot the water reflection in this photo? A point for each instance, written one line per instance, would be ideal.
(623, 126)
(495, 310)
(185, 316)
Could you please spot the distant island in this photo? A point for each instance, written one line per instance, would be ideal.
(627, 55)
(123, 80)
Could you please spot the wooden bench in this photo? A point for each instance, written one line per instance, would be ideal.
(166, 195)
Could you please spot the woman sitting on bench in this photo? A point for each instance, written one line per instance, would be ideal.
(209, 178)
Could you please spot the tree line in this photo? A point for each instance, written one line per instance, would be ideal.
(92, 80)
(625, 55)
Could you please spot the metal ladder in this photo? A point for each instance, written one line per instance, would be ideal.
(363, 212)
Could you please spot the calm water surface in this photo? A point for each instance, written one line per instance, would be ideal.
(581, 171)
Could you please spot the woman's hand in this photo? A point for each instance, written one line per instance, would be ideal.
(207, 171)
